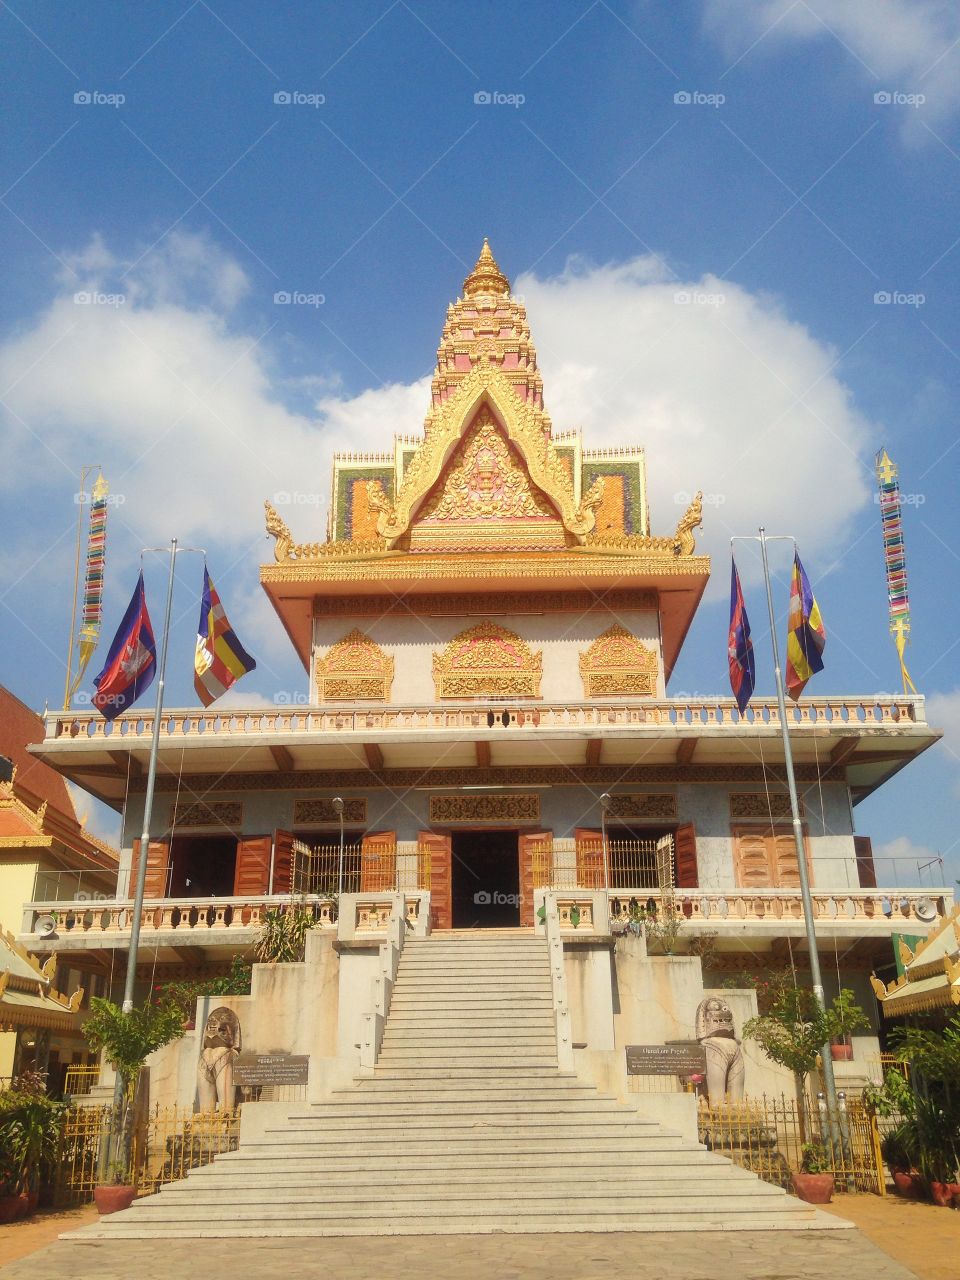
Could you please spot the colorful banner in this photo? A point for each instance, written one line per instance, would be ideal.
(93, 579)
(895, 560)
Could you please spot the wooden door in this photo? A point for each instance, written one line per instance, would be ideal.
(282, 862)
(440, 851)
(866, 868)
(378, 862)
(251, 875)
(590, 870)
(767, 859)
(685, 857)
(534, 847)
(158, 865)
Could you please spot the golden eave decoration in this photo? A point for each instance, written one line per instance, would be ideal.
(525, 426)
(487, 660)
(355, 669)
(618, 663)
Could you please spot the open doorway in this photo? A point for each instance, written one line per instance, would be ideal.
(202, 866)
(486, 879)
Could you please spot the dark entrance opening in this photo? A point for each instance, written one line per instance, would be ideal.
(202, 866)
(486, 879)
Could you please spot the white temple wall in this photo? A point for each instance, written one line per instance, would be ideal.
(561, 637)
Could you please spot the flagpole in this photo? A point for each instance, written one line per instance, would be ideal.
(148, 800)
(830, 1084)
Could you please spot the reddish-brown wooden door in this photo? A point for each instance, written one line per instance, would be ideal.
(251, 875)
(158, 864)
(378, 862)
(685, 857)
(536, 869)
(282, 862)
(589, 842)
(866, 868)
(439, 850)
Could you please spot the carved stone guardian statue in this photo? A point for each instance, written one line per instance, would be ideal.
(221, 1048)
(725, 1067)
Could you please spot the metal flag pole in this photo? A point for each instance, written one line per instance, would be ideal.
(811, 930)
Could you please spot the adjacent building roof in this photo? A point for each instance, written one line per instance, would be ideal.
(27, 995)
(931, 978)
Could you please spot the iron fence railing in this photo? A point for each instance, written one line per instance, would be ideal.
(370, 866)
(580, 864)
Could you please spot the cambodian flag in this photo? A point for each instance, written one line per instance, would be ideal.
(806, 634)
(743, 672)
(132, 661)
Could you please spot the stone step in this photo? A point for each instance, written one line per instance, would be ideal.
(478, 1180)
(475, 1107)
(504, 1164)
(458, 1042)
(467, 1142)
(510, 1119)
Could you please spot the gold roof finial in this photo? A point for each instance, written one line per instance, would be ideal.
(486, 276)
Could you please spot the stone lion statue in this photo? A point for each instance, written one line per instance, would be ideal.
(725, 1067)
(220, 1049)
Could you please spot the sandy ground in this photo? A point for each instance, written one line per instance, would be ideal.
(924, 1237)
(20, 1239)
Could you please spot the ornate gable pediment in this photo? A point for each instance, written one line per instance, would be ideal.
(355, 669)
(487, 660)
(522, 423)
(618, 663)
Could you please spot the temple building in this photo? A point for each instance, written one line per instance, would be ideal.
(481, 791)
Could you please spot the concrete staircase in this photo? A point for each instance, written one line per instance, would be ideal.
(466, 1126)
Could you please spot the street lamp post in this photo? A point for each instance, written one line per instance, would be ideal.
(338, 810)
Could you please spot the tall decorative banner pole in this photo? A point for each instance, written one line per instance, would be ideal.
(895, 560)
(148, 799)
(816, 976)
(93, 581)
(98, 504)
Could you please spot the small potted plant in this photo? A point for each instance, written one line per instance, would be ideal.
(814, 1182)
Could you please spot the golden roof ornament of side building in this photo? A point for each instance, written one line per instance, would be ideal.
(486, 276)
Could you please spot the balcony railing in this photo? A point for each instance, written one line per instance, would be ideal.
(375, 866)
(499, 717)
(778, 906)
(581, 864)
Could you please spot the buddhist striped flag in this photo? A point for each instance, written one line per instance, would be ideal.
(220, 658)
(806, 634)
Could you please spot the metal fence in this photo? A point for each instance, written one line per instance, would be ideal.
(633, 864)
(373, 866)
(167, 1143)
(80, 1080)
(767, 1135)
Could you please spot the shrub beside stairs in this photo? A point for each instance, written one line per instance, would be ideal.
(466, 1126)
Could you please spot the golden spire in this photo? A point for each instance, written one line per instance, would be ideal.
(486, 276)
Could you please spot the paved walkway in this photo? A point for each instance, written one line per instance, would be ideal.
(782, 1255)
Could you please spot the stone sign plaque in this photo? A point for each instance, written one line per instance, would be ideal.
(666, 1059)
(255, 1070)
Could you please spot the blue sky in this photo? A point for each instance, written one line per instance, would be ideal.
(777, 164)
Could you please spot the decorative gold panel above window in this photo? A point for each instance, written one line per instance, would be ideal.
(618, 663)
(355, 669)
(321, 810)
(487, 660)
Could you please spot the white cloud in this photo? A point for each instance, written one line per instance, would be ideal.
(98, 818)
(943, 712)
(903, 46)
(725, 392)
(902, 861)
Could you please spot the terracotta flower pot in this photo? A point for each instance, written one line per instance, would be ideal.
(943, 1193)
(815, 1188)
(841, 1052)
(112, 1199)
(9, 1207)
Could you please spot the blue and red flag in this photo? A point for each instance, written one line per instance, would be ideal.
(132, 661)
(743, 672)
(806, 635)
(220, 658)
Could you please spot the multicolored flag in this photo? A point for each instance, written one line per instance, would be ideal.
(132, 661)
(806, 635)
(220, 658)
(896, 560)
(93, 581)
(743, 673)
